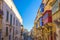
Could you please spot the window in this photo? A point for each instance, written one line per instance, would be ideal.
(16, 31)
(19, 24)
(55, 7)
(36, 25)
(11, 20)
(7, 16)
(14, 21)
(9, 37)
(6, 31)
(0, 5)
(45, 16)
(0, 35)
(41, 21)
(42, 7)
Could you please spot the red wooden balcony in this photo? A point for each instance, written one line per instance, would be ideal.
(47, 17)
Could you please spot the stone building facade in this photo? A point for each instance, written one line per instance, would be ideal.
(10, 21)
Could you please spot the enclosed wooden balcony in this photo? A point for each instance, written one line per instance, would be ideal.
(52, 2)
(56, 17)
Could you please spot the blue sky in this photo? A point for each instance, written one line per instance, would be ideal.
(28, 10)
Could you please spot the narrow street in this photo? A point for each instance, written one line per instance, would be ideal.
(29, 19)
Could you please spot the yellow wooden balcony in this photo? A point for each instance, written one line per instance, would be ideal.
(49, 4)
(47, 7)
(52, 2)
(56, 15)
